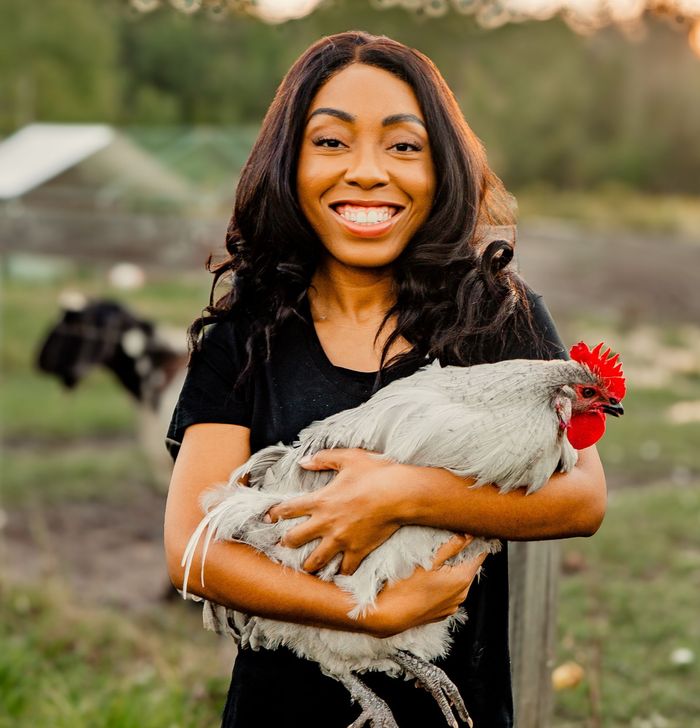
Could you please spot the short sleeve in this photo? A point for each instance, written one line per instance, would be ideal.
(208, 393)
(548, 344)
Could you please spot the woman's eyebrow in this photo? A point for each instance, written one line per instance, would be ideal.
(342, 115)
(399, 118)
(350, 118)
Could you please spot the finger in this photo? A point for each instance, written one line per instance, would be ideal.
(321, 555)
(466, 572)
(323, 460)
(293, 508)
(299, 535)
(350, 562)
(333, 459)
(473, 565)
(451, 548)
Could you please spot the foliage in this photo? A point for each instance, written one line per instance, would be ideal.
(549, 105)
(59, 61)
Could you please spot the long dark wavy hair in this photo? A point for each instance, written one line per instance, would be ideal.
(457, 299)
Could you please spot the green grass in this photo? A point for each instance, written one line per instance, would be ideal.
(634, 603)
(643, 446)
(63, 663)
(67, 666)
(612, 207)
(37, 407)
(620, 618)
(61, 473)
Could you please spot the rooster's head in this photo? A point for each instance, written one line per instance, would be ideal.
(597, 399)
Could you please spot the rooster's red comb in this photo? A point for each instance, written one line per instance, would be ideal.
(602, 363)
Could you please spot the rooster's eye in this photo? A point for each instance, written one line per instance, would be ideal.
(588, 392)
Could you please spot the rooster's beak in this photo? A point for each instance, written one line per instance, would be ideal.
(613, 409)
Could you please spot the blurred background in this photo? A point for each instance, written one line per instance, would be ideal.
(123, 126)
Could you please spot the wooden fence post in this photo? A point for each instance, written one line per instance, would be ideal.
(534, 573)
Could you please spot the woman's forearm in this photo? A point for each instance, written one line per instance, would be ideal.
(569, 504)
(239, 577)
(236, 575)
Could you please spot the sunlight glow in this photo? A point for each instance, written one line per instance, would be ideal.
(583, 16)
(277, 11)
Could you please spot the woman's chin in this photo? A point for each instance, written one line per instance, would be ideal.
(365, 253)
(366, 262)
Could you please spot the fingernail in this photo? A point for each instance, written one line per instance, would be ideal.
(266, 518)
(306, 460)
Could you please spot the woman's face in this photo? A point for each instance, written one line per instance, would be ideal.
(365, 177)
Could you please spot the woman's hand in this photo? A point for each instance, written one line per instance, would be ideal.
(353, 514)
(427, 595)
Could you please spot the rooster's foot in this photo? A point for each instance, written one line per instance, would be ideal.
(375, 711)
(436, 682)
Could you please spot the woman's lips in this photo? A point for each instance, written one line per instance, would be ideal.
(370, 221)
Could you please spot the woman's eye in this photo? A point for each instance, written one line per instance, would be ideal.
(328, 143)
(588, 392)
(406, 147)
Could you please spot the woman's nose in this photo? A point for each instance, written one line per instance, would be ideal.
(365, 168)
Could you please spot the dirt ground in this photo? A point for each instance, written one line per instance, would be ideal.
(108, 553)
(112, 554)
(632, 277)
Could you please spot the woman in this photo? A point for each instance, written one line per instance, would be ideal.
(354, 259)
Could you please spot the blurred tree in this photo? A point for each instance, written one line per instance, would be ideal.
(58, 61)
(550, 105)
(192, 70)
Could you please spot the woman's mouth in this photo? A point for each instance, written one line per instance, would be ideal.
(367, 220)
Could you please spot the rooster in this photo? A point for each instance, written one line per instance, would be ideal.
(512, 423)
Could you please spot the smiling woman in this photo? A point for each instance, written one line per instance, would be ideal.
(365, 171)
(357, 253)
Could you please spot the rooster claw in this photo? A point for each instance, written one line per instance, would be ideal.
(436, 682)
(375, 711)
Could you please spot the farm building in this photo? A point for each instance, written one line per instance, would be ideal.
(88, 192)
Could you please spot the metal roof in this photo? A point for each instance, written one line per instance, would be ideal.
(39, 152)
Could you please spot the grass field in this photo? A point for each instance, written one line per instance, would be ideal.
(77, 656)
(613, 206)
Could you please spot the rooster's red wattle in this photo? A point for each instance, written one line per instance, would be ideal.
(588, 426)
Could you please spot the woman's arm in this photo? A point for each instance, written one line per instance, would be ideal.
(240, 577)
(370, 499)
(569, 504)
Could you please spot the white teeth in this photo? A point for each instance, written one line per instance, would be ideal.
(365, 215)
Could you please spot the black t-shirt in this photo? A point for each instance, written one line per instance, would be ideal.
(295, 387)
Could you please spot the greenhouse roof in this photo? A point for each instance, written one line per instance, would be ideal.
(39, 152)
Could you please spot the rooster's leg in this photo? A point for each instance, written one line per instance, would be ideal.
(436, 682)
(374, 710)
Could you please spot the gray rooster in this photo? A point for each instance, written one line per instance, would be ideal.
(512, 423)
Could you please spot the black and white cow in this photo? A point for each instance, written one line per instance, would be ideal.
(147, 361)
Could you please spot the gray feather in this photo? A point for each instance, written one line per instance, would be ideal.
(495, 423)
